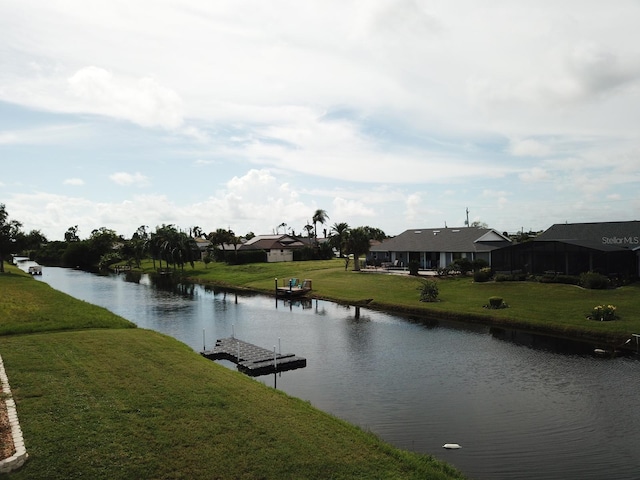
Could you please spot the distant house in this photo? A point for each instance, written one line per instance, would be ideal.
(437, 247)
(610, 248)
(279, 248)
(203, 246)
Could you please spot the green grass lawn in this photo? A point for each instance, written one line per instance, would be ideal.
(126, 403)
(557, 308)
(28, 306)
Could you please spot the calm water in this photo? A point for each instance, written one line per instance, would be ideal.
(517, 411)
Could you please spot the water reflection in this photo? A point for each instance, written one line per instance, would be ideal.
(519, 408)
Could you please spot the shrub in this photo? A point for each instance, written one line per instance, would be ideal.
(443, 271)
(429, 291)
(566, 279)
(413, 268)
(462, 265)
(510, 277)
(482, 276)
(479, 264)
(603, 313)
(495, 303)
(594, 280)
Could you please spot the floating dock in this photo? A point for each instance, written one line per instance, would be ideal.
(253, 360)
(293, 288)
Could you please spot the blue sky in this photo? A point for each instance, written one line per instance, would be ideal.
(245, 115)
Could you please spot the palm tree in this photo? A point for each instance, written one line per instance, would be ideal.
(357, 243)
(338, 235)
(309, 228)
(221, 237)
(319, 216)
(139, 244)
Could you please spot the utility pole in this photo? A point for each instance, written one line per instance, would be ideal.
(466, 222)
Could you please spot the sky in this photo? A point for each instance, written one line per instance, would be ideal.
(247, 115)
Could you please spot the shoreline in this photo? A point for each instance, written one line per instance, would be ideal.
(597, 338)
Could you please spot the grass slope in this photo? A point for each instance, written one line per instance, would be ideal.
(28, 306)
(121, 403)
(556, 308)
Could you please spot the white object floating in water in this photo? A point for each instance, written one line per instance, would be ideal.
(451, 446)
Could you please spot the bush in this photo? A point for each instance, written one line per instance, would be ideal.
(482, 276)
(603, 313)
(510, 277)
(495, 303)
(462, 265)
(566, 279)
(594, 281)
(429, 291)
(479, 264)
(443, 271)
(413, 268)
(313, 252)
(240, 258)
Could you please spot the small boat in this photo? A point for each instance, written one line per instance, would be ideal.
(35, 270)
(451, 446)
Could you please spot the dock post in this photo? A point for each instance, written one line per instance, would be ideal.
(275, 359)
(276, 292)
(238, 351)
(279, 346)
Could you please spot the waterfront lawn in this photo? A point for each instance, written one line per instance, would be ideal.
(29, 306)
(121, 404)
(547, 307)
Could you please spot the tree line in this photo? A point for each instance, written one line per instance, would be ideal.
(170, 247)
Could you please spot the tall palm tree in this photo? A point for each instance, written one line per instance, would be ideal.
(358, 243)
(338, 235)
(321, 217)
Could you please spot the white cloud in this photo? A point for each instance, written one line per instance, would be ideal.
(143, 101)
(343, 208)
(46, 135)
(371, 105)
(529, 148)
(536, 174)
(74, 181)
(126, 179)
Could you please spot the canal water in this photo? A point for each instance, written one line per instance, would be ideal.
(520, 407)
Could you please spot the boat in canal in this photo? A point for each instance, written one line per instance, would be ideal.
(35, 270)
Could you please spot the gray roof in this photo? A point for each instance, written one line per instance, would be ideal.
(272, 242)
(604, 236)
(463, 239)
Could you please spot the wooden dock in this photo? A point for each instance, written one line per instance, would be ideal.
(253, 360)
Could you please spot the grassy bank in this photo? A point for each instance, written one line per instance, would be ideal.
(553, 308)
(119, 403)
